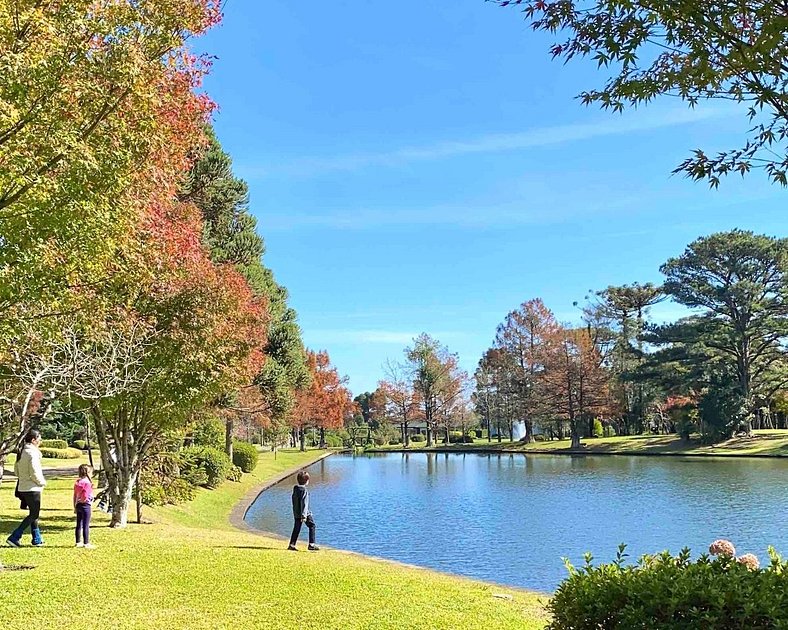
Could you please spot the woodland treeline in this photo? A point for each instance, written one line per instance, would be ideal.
(134, 301)
(720, 370)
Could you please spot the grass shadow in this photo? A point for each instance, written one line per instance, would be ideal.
(50, 522)
(251, 547)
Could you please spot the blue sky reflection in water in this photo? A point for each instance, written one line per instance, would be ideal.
(510, 519)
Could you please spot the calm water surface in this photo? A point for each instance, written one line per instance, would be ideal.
(511, 518)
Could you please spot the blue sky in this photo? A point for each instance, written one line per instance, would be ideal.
(424, 166)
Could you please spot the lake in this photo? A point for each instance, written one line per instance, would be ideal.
(511, 518)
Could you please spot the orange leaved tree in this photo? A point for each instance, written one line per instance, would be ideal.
(325, 403)
(574, 383)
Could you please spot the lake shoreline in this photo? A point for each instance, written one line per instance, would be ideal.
(556, 497)
(238, 520)
(574, 452)
(761, 444)
(238, 514)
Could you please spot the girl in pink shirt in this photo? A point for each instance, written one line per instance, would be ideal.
(83, 498)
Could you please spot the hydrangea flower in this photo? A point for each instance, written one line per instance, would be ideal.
(750, 561)
(722, 548)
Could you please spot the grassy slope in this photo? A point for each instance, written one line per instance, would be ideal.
(192, 569)
(772, 443)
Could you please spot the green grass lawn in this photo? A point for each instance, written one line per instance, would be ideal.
(767, 442)
(192, 569)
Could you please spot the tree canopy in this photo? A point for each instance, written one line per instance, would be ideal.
(717, 50)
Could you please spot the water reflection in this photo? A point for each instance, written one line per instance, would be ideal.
(511, 518)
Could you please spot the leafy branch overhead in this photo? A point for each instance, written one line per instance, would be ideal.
(695, 51)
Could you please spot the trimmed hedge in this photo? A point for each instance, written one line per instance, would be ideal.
(61, 453)
(674, 593)
(80, 444)
(245, 456)
(204, 466)
(59, 444)
(417, 437)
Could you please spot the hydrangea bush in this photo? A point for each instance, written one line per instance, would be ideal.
(717, 591)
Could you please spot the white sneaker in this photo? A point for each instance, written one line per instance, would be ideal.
(80, 545)
(89, 546)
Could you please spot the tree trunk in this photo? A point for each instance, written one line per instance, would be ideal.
(448, 438)
(489, 430)
(87, 441)
(138, 494)
(529, 431)
(429, 437)
(322, 437)
(302, 439)
(574, 429)
(406, 440)
(122, 500)
(228, 438)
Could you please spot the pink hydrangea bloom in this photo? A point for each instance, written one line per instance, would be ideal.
(722, 548)
(750, 561)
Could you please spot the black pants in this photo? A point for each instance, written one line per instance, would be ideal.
(310, 523)
(83, 522)
(33, 501)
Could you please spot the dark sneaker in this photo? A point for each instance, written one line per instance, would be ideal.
(291, 548)
(12, 543)
(38, 543)
(313, 548)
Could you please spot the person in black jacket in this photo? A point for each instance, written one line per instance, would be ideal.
(302, 513)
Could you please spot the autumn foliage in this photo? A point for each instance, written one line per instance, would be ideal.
(326, 402)
(101, 118)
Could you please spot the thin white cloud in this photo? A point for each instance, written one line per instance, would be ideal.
(469, 215)
(493, 143)
(377, 337)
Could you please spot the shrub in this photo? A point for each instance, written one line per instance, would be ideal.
(333, 441)
(418, 437)
(599, 430)
(175, 492)
(686, 425)
(245, 456)
(80, 444)
(49, 431)
(61, 453)
(209, 431)
(395, 441)
(379, 441)
(540, 437)
(672, 593)
(235, 473)
(161, 481)
(610, 431)
(60, 444)
(204, 466)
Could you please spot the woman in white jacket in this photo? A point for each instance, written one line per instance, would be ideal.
(31, 483)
